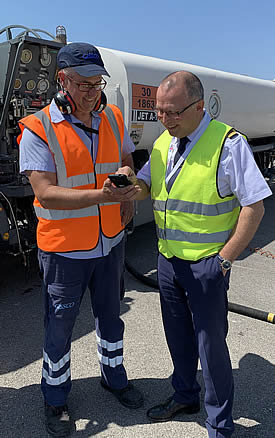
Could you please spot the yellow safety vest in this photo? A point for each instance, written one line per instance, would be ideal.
(193, 220)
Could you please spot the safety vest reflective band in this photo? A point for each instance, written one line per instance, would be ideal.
(193, 221)
(78, 229)
(195, 207)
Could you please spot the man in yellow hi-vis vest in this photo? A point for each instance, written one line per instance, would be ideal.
(199, 174)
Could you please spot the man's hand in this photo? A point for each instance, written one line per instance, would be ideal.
(224, 271)
(245, 229)
(123, 194)
(127, 210)
(144, 190)
(126, 170)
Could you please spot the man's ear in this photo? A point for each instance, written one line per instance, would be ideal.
(200, 105)
(61, 78)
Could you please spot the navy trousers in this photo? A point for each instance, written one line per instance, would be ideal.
(64, 284)
(194, 306)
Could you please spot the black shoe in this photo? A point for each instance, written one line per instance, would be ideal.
(170, 409)
(129, 396)
(57, 420)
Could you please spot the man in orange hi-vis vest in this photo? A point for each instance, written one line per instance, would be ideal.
(67, 150)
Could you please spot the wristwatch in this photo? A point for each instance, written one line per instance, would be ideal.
(225, 264)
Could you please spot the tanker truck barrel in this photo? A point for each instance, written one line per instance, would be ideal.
(243, 102)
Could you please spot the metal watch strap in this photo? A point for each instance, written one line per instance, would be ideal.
(225, 264)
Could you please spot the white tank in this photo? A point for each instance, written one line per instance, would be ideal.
(246, 103)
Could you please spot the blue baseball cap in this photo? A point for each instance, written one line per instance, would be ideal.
(84, 58)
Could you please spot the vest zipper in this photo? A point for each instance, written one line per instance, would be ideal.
(165, 218)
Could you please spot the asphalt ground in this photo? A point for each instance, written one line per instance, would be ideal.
(95, 411)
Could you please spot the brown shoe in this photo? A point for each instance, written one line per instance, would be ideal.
(169, 409)
(57, 420)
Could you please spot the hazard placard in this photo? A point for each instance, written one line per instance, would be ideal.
(143, 103)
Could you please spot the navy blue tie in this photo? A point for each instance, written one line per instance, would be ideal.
(181, 148)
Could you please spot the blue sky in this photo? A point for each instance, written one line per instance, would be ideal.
(234, 36)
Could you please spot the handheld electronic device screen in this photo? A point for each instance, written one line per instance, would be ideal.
(120, 180)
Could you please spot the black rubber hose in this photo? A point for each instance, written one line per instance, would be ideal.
(252, 313)
(232, 307)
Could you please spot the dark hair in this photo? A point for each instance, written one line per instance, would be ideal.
(194, 87)
(192, 83)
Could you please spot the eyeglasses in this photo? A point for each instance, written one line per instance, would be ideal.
(85, 86)
(174, 114)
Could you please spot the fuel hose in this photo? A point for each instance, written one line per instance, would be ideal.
(232, 307)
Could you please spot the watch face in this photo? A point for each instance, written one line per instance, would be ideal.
(226, 264)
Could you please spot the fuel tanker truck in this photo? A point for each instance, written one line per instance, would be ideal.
(27, 84)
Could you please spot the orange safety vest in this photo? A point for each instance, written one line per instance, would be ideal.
(78, 229)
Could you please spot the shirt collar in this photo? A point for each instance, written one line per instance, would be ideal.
(57, 116)
(202, 126)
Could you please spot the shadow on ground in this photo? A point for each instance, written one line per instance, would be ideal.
(21, 320)
(96, 409)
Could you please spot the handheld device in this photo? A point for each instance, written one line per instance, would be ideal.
(120, 180)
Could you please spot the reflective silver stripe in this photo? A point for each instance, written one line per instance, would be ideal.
(56, 366)
(54, 381)
(115, 361)
(112, 120)
(55, 147)
(79, 180)
(195, 207)
(109, 346)
(66, 214)
(202, 209)
(183, 236)
(158, 205)
(102, 168)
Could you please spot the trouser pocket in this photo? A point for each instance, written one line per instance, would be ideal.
(63, 301)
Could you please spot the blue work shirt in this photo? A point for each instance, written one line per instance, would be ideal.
(35, 155)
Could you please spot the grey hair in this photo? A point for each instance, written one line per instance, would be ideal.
(68, 71)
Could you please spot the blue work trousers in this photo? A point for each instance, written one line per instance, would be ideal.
(194, 307)
(65, 281)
